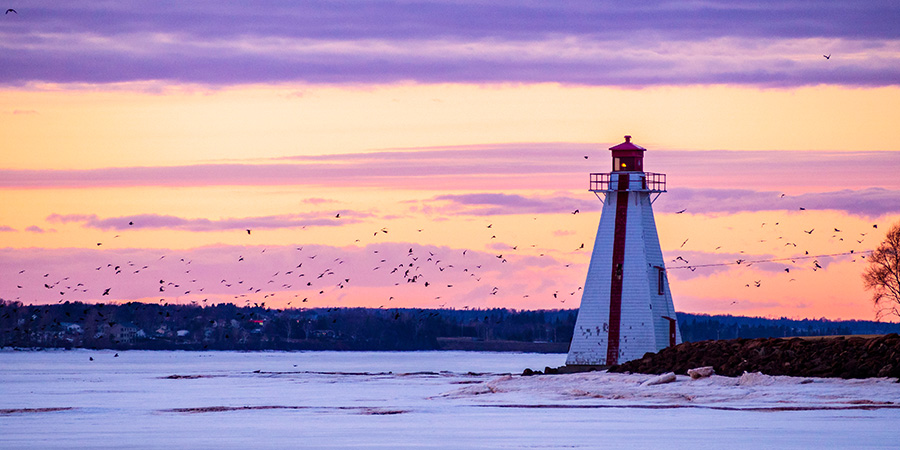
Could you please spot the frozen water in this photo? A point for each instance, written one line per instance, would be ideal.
(145, 399)
(752, 391)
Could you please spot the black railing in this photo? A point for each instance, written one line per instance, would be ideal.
(652, 182)
(655, 182)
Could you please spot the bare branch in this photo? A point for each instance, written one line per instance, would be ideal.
(882, 275)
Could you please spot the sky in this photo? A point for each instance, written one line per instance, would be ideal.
(433, 153)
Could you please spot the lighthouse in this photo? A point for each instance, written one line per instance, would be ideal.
(626, 305)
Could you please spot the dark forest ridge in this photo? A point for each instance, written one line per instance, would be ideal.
(230, 327)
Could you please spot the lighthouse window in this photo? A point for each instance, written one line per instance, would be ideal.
(661, 278)
(627, 164)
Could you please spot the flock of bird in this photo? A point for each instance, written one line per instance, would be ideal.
(313, 275)
(837, 237)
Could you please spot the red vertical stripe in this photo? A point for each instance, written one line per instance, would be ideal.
(618, 266)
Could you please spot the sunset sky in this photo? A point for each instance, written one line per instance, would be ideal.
(452, 139)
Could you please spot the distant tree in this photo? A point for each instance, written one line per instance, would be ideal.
(883, 275)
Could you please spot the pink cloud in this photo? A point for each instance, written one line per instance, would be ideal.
(324, 275)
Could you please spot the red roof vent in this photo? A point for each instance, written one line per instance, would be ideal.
(627, 157)
(627, 145)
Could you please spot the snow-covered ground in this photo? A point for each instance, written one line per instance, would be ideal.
(144, 399)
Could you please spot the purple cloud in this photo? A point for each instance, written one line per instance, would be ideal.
(318, 201)
(6, 228)
(361, 169)
(157, 221)
(699, 181)
(556, 166)
(35, 229)
(494, 204)
(596, 43)
(872, 202)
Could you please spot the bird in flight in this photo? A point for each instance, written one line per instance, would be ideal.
(680, 212)
(828, 56)
(10, 10)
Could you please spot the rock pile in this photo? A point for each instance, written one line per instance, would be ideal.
(850, 357)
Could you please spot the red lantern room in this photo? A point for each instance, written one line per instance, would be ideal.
(628, 157)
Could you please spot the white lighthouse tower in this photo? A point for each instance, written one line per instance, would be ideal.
(626, 306)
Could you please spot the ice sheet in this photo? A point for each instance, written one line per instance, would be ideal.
(752, 391)
(144, 399)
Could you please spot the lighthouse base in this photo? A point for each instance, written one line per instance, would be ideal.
(626, 306)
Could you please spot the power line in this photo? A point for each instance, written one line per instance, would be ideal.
(749, 262)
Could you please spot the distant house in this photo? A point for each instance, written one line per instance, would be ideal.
(125, 333)
(72, 328)
(182, 333)
(324, 334)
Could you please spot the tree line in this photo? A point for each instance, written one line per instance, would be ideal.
(230, 327)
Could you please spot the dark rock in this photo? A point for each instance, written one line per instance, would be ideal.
(850, 357)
